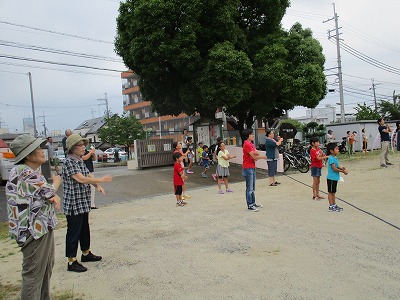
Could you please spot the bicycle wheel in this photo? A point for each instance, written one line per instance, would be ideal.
(286, 164)
(302, 165)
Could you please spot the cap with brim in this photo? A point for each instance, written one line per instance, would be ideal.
(74, 139)
(24, 145)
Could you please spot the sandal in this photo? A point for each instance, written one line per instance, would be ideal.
(273, 184)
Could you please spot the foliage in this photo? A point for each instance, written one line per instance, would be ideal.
(294, 122)
(365, 112)
(122, 130)
(389, 110)
(313, 129)
(3, 230)
(197, 55)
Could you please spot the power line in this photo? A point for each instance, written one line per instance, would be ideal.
(56, 32)
(57, 63)
(58, 51)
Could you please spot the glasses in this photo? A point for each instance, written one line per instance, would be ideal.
(80, 145)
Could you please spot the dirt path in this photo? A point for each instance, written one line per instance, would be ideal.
(213, 248)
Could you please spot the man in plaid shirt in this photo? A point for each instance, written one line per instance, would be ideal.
(76, 202)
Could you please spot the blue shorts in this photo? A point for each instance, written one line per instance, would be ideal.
(315, 172)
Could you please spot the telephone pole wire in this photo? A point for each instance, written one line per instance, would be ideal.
(339, 59)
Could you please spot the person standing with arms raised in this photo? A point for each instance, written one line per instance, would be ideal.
(384, 131)
(250, 155)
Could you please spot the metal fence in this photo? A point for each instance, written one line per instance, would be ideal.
(152, 153)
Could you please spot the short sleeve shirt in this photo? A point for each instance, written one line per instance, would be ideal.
(204, 155)
(314, 153)
(332, 175)
(76, 196)
(384, 135)
(223, 162)
(248, 161)
(177, 178)
(30, 213)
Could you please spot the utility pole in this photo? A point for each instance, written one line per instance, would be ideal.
(373, 89)
(105, 100)
(339, 59)
(44, 124)
(33, 105)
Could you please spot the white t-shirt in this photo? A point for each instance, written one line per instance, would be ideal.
(223, 162)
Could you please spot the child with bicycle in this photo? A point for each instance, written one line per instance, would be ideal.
(333, 175)
(317, 156)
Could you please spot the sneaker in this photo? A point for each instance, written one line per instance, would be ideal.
(189, 171)
(252, 208)
(204, 175)
(229, 191)
(258, 205)
(389, 164)
(332, 208)
(90, 257)
(383, 166)
(76, 267)
(180, 203)
(220, 192)
(186, 196)
(214, 177)
(276, 182)
(338, 208)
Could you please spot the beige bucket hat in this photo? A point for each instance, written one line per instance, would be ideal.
(24, 145)
(74, 139)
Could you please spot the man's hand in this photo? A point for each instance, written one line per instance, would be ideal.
(56, 200)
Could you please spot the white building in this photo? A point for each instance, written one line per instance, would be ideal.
(324, 115)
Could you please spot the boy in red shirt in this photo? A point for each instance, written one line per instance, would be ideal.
(317, 156)
(179, 176)
(178, 149)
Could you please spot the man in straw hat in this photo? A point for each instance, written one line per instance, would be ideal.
(76, 202)
(30, 205)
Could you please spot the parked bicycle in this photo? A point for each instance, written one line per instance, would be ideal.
(295, 160)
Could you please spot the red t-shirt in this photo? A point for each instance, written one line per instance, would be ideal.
(314, 153)
(177, 178)
(248, 161)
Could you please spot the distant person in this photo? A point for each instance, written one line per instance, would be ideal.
(206, 160)
(272, 152)
(364, 141)
(54, 160)
(333, 176)
(178, 148)
(30, 204)
(200, 152)
(215, 156)
(179, 178)
(398, 137)
(190, 155)
(350, 142)
(88, 159)
(250, 155)
(223, 168)
(317, 156)
(76, 203)
(330, 138)
(184, 140)
(384, 131)
(68, 132)
(116, 155)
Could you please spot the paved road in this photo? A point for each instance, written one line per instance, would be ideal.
(137, 184)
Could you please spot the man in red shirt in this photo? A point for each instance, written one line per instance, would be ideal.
(250, 155)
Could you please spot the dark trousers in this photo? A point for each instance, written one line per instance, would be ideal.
(77, 231)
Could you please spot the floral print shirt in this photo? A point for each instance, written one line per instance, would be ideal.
(30, 212)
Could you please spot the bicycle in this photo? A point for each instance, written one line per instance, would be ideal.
(296, 160)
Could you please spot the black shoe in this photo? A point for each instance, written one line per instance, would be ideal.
(76, 267)
(258, 205)
(90, 257)
(94, 207)
(389, 164)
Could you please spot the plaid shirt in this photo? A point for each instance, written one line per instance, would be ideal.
(76, 197)
(30, 213)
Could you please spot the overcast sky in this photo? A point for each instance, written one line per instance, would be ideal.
(68, 98)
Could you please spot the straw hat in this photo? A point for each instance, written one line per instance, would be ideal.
(74, 139)
(24, 145)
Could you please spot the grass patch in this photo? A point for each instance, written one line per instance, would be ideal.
(3, 231)
(67, 295)
(9, 291)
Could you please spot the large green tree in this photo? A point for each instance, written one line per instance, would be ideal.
(122, 130)
(196, 55)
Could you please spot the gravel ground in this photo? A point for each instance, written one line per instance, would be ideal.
(213, 248)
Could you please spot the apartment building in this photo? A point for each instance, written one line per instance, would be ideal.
(154, 124)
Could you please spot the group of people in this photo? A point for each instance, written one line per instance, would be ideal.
(31, 204)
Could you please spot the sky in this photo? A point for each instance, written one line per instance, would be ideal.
(65, 96)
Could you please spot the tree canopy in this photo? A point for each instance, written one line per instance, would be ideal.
(197, 55)
(122, 130)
